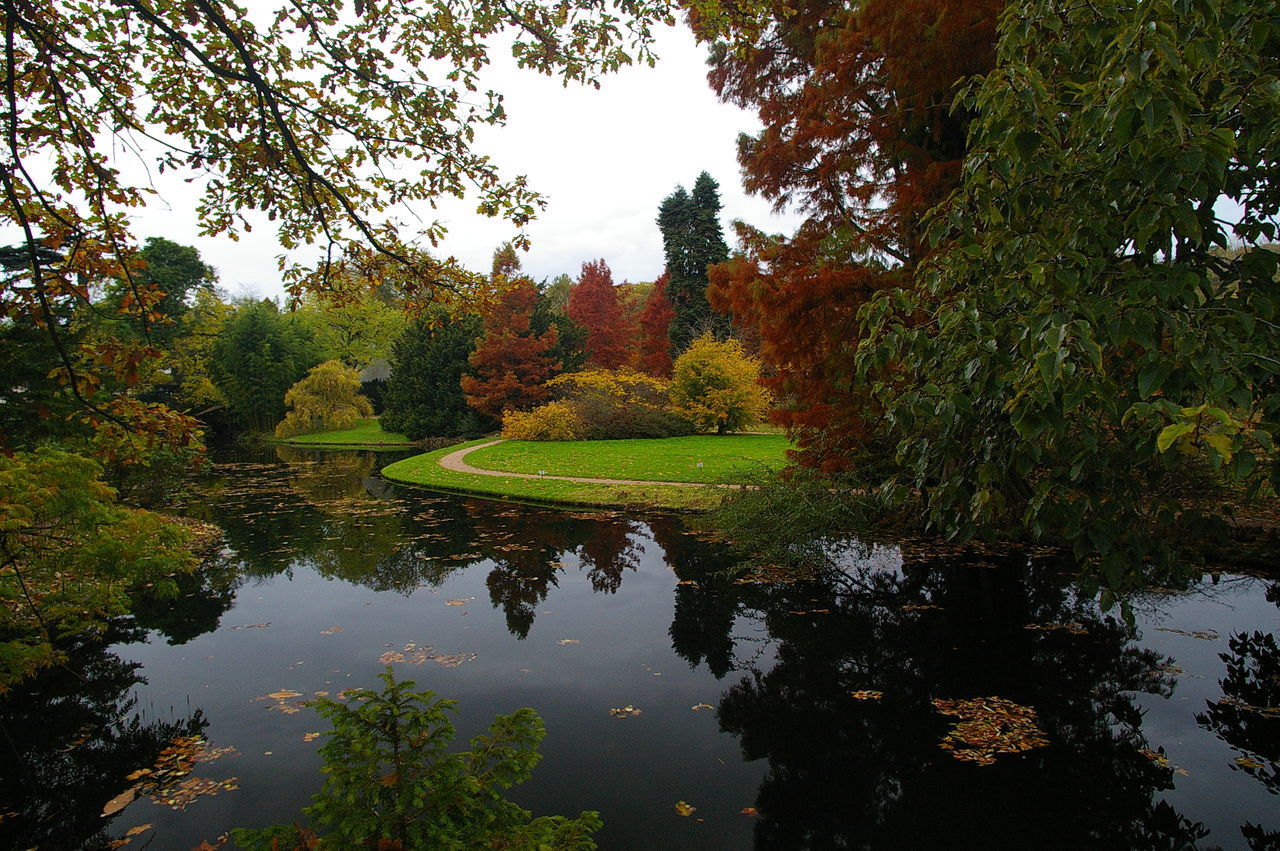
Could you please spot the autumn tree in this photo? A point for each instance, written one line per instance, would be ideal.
(692, 240)
(654, 350)
(859, 133)
(593, 303)
(510, 362)
(327, 398)
(717, 386)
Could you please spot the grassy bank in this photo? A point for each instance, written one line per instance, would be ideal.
(652, 462)
(705, 459)
(368, 434)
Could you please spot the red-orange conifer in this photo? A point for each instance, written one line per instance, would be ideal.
(510, 362)
(654, 356)
(593, 303)
(855, 99)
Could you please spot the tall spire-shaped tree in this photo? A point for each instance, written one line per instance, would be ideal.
(692, 240)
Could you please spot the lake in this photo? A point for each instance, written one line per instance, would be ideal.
(787, 714)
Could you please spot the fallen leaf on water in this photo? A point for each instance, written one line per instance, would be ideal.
(564, 641)
(989, 726)
(119, 802)
(921, 608)
(142, 828)
(1073, 628)
(698, 706)
(748, 811)
(684, 809)
(627, 711)
(284, 694)
(1246, 762)
(687, 582)
(1203, 635)
(331, 630)
(253, 625)
(310, 737)
(458, 602)
(866, 694)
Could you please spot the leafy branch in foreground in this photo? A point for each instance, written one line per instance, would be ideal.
(391, 783)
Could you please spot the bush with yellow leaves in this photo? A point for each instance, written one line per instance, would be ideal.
(600, 404)
(717, 386)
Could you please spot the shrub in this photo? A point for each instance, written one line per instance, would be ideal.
(600, 404)
(717, 386)
(328, 398)
(552, 421)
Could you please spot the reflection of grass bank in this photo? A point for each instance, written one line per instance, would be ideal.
(425, 470)
(367, 435)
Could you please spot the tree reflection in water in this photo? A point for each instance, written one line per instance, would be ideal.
(69, 739)
(1247, 716)
(849, 772)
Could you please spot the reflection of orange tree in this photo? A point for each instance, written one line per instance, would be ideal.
(846, 771)
(528, 555)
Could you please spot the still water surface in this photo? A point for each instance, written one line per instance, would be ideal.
(746, 691)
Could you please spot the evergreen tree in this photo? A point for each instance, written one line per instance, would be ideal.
(692, 240)
(423, 397)
(570, 349)
(256, 358)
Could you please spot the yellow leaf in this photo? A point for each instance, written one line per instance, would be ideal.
(119, 802)
(684, 809)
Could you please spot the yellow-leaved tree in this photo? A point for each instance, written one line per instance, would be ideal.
(327, 398)
(716, 385)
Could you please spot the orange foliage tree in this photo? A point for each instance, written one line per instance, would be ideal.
(593, 303)
(654, 355)
(859, 134)
(510, 362)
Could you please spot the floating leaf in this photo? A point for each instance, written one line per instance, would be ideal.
(1203, 635)
(565, 641)
(284, 694)
(684, 809)
(119, 802)
(699, 706)
(989, 726)
(253, 626)
(1247, 763)
(331, 630)
(142, 828)
(310, 737)
(748, 811)
(627, 711)
(866, 694)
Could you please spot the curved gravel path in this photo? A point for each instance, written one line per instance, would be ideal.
(456, 462)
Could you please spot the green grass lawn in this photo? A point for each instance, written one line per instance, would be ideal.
(615, 459)
(368, 433)
(674, 459)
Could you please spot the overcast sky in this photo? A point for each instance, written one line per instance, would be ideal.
(605, 159)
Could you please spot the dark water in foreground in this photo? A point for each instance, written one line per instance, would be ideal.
(752, 696)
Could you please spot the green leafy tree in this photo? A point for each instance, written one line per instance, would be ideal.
(1084, 363)
(355, 330)
(190, 355)
(256, 358)
(391, 782)
(717, 386)
(70, 557)
(155, 296)
(327, 398)
(692, 240)
(423, 397)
